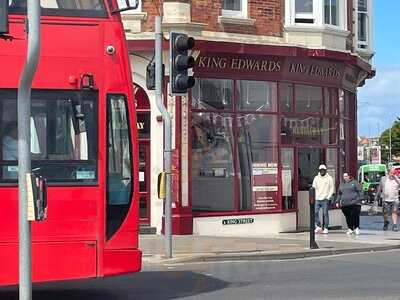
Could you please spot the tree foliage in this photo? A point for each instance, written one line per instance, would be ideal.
(384, 141)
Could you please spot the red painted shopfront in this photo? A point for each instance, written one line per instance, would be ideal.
(252, 132)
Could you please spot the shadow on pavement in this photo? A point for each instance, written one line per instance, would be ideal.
(144, 285)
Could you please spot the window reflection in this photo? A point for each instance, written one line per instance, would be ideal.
(308, 99)
(63, 135)
(256, 95)
(286, 96)
(308, 130)
(212, 94)
(212, 164)
(257, 158)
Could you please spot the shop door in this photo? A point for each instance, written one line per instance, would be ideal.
(308, 161)
(144, 182)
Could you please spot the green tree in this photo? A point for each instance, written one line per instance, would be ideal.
(385, 138)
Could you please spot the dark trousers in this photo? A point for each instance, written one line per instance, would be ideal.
(352, 214)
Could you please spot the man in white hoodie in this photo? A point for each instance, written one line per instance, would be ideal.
(324, 189)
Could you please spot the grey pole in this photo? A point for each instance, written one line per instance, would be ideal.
(24, 147)
(167, 137)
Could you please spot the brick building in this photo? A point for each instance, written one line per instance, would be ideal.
(275, 96)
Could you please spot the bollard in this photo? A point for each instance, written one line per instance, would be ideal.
(311, 199)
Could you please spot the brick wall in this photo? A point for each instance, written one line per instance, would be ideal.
(350, 25)
(151, 7)
(268, 16)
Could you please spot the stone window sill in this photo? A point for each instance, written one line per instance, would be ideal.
(236, 21)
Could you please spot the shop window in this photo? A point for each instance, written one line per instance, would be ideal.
(257, 161)
(331, 163)
(308, 130)
(287, 163)
(234, 8)
(212, 94)
(286, 97)
(308, 161)
(331, 12)
(331, 101)
(343, 104)
(308, 99)
(212, 163)
(256, 95)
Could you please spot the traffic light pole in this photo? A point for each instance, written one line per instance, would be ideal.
(24, 148)
(167, 137)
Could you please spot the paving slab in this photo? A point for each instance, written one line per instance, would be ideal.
(275, 247)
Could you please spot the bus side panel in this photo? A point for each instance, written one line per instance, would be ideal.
(116, 79)
(121, 261)
(51, 261)
(9, 262)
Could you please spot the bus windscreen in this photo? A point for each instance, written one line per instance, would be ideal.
(68, 8)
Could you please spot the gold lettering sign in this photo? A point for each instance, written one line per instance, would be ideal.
(239, 64)
(140, 125)
(314, 70)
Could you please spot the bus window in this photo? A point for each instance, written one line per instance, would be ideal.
(70, 8)
(119, 161)
(61, 151)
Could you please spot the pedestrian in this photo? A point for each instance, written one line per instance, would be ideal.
(350, 195)
(324, 189)
(388, 189)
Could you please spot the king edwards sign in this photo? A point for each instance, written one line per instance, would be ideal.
(298, 69)
(249, 64)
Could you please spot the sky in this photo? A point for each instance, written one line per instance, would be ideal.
(379, 98)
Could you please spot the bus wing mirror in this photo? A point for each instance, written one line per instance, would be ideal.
(124, 5)
(3, 17)
(161, 185)
(37, 197)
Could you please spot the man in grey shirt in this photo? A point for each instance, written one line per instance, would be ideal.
(388, 189)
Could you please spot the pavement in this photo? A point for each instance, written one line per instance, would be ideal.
(191, 248)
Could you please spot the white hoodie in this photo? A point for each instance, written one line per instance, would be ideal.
(324, 187)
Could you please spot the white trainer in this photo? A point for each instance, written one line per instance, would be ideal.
(325, 231)
(318, 229)
(357, 231)
(349, 231)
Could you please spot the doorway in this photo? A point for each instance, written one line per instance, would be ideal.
(144, 182)
(143, 125)
(308, 161)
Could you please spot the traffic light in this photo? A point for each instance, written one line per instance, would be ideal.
(180, 63)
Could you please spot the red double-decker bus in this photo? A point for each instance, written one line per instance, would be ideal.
(82, 142)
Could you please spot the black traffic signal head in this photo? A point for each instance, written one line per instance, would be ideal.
(180, 63)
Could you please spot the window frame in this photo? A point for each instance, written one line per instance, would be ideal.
(235, 113)
(318, 15)
(367, 44)
(109, 233)
(137, 10)
(65, 12)
(338, 6)
(42, 162)
(305, 16)
(242, 13)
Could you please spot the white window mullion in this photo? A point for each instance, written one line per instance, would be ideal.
(318, 12)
